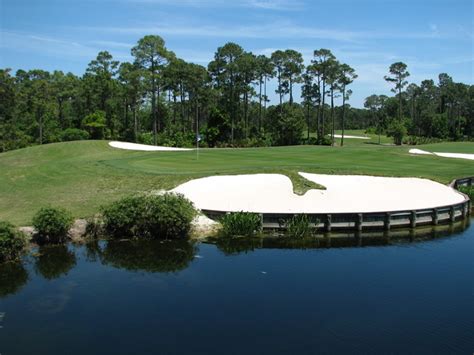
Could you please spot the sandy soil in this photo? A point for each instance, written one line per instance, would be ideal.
(273, 193)
(445, 155)
(144, 147)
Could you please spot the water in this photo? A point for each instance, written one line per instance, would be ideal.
(243, 298)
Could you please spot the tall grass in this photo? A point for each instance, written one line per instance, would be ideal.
(298, 226)
(241, 224)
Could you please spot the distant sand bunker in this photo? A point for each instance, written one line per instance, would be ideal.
(350, 137)
(144, 147)
(445, 155)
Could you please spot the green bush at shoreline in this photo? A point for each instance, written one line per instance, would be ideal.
(12, 242)
(166, 216)
(52, 225)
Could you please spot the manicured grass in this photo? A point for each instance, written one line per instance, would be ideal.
(82, 176)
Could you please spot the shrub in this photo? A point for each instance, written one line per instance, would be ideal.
(397, 130)
(168, 216)
(298, 226)
(241, 223)
(52, 225)
(74, 134)
(123, 217)
(468, 190)
(95, 123)
(158, 216)
(12, 242)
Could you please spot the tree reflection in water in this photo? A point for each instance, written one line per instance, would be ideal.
(13, 276)
(54, 261)
(149, 255)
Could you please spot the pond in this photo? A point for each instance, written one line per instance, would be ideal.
(336, 295)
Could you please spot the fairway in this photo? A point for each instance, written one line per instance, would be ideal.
(81, 176)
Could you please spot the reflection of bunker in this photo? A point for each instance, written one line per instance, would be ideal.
(341, 239)
(349, 202)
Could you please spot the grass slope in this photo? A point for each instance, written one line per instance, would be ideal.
(82, 176)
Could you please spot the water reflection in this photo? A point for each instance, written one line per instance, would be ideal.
(237, 245)
(54, 261)
(13, 276)
(148, 255)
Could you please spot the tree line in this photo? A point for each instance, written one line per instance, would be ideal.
(435, 111)
(162, 99)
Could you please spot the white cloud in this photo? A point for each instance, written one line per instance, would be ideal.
(55, 47)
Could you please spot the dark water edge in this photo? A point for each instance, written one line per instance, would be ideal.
(398, 293)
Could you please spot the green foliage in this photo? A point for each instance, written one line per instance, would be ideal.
(298, 226)
(52, 224)
(12, 242)
(286, 126)
(164, 216)
(74, 134)
(123, 218)
(414, 140)
(241, 224)
(398, 131)
(95, 123)
(468, 190)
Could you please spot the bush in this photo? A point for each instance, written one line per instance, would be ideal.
(298, 226)
(397, 130)
(241, 224)
(416, 140)
(52, 225)
(74, 134)
(468, 190)
(159, 216)
(123, 218)
(12, 242)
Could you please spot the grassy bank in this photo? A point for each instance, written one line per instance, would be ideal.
(81, 176)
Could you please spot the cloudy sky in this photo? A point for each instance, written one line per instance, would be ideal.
(431, 36)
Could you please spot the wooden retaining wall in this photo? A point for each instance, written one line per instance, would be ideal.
(374, 220)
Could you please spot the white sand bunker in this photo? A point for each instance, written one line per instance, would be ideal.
(350, 137)
(273, 193)
(144, 147)
(445, 155)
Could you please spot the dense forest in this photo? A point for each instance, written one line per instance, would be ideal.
(161, 99)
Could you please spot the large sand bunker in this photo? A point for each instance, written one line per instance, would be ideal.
(273, 193)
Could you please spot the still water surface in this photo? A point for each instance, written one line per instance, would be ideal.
(239, 297)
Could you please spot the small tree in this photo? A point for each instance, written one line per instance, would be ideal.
(95, 124)
(397, 130)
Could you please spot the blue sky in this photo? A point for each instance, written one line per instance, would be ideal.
(431, 36)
